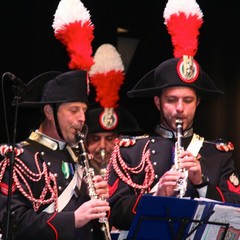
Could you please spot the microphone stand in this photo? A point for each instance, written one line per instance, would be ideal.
(8, 224)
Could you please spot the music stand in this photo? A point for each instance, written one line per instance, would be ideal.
(165, 218)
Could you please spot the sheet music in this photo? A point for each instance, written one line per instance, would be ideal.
(198, 216)
(223, 214)
(218, 213)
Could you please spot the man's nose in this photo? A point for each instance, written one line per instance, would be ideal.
(81, 116)
(102, 143)
(179, 106)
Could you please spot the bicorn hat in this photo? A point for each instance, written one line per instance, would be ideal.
(126, 123)
(56, 87)
(167, 75)
(183, 19)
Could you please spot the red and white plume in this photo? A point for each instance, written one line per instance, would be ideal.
(107, 75)
(183, 19)
(73, 27)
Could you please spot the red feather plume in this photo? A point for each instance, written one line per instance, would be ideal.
(185, 42)
(107, 90)
(77, 38)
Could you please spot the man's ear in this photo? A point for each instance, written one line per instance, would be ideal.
(157, 102)
(198, 101)
(48, 111)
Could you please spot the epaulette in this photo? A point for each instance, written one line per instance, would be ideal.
(127, 141)
(222, 145)
(5, 150)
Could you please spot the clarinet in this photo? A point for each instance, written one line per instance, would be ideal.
(103, 169)
(88, 177)
(182, 182)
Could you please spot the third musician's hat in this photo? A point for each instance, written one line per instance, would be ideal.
(183, 20)
(107, 76)
(126, 123)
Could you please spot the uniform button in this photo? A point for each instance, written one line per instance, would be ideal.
(170, 135)
(153, 140)
(156, 176)
(153, 151)
(55, 175)
(54, 146)
(154, 163)
(60, 188)
(42, 154)
(49, 164)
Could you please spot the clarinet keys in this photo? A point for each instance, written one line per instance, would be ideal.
(182, 181)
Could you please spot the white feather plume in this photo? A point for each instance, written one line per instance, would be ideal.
(106, 59)
(69, 11)
(186, 6)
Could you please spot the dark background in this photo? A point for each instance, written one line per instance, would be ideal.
(28, 48)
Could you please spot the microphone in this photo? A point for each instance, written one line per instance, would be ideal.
(15, 80)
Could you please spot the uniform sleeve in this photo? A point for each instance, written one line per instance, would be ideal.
(226, 190)
(29, 224)
(123, 203)
(219, 167)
